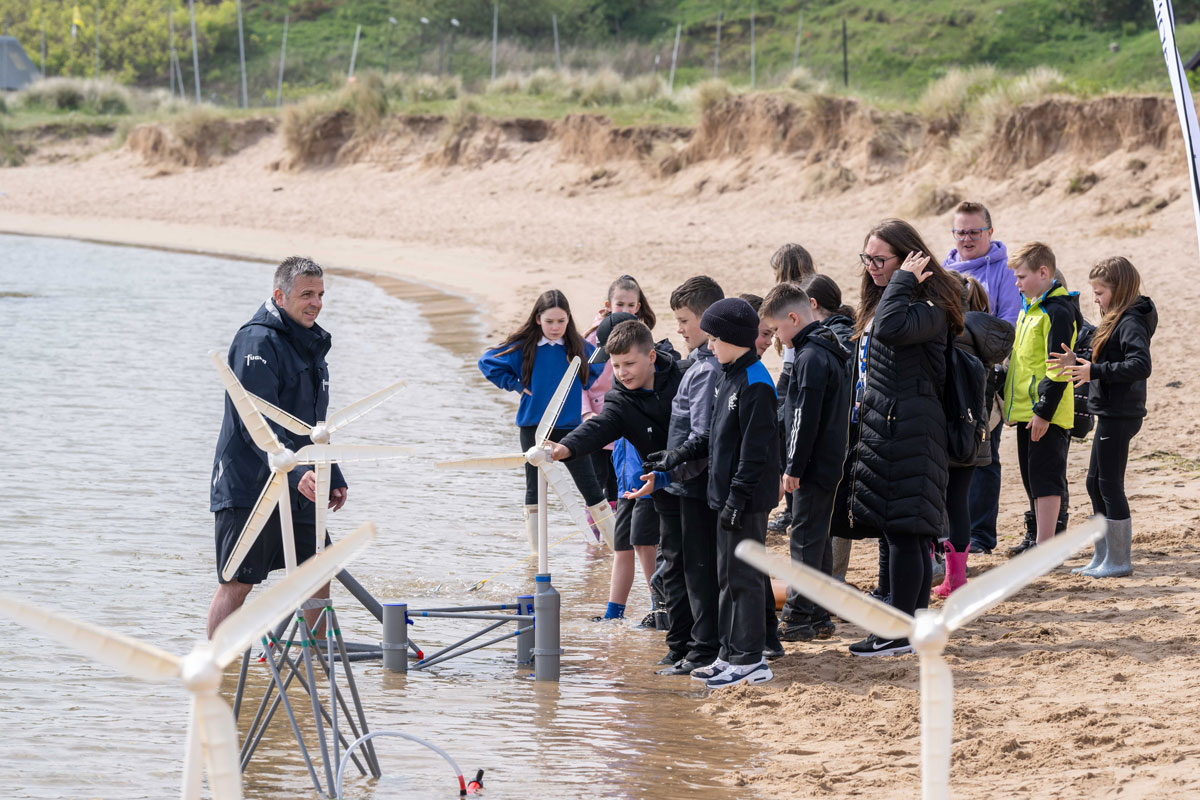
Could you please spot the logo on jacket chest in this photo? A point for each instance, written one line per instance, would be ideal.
(252, 357)
(733, 402)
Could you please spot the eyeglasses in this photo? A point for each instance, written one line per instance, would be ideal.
(974, 234)
(878, 261)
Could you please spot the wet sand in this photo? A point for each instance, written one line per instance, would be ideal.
(1074, 688)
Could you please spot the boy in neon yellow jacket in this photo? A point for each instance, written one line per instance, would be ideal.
(1037, 400)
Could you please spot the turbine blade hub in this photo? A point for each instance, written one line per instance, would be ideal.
(930, 635)
(537, 455)
(198, 671)
(319, 434)
(283, 461)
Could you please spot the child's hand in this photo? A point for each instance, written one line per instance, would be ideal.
(644, 490)
(731, 518)
(1069, 364)
(790, 484)
(1037, 428)
(558, 452)
(916, 263)
(526, 391)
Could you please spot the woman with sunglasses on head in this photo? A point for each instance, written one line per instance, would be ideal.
(909, 311)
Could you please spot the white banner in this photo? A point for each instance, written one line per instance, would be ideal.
(1165, 16)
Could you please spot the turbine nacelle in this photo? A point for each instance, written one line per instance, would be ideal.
(319, 433)
(929, 632)
(538, 455)
(283, 461)
(199, 671)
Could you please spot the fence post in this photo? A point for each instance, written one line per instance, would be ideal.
(674, 58)
(753, 63)
(43, 44)
(387, 52)
(717, 51)
(354, 51)
(282, 61)
(242, 56)
(195, 50)
(845, 56)
(796, 53)
(450, 49)
(495, 33)
(557, 57)
(97, 40)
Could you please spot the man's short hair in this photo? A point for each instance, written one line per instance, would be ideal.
(696, 294)
(1033, 256)
(294, 267)
(783, 298)
(968, 207)
(629, 335)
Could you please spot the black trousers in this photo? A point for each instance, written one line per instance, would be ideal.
(958, 507)
(812, 508)
(674, 582)
(1106, 472)
(700, 575)
(580, 469)
(909, 571)
(740, 608)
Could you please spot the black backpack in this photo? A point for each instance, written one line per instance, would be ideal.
(965, 402)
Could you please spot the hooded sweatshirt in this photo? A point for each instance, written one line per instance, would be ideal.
(1120, 370)
(818, 405)
(991, 269)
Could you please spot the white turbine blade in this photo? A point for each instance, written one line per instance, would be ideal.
(328, 453)
(550, 416)
(847, 602)
(250, 621)
(323, 472)
(560, 481)
(981, 594)
(122, 653)
(484, 462)
(257, 427)
(280, 417)
(355, 410)
(263, 507)
(937, 727)
(222, 757)
(193, 756)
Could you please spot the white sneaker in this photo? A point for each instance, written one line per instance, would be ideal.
(711, 671)
(741, 673)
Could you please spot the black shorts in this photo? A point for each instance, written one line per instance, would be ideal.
(266, 554)
(637, 524)
(1044, 462)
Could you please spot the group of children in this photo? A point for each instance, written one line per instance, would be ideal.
(690, 455)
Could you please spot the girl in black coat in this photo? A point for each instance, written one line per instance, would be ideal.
(1118, 371)
(909, 306)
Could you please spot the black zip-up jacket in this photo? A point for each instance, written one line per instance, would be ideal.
(1065, 322)
(990, 339)
(1120, 370)
(742, 442)
(818, 406)
(641, 416)
(282, 362)
(843, 328)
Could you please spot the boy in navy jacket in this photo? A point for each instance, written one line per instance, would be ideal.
(743, 483)
(818, 407)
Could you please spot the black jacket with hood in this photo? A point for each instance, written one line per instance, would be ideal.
(1120, 370)
(818, 407)
(990, 339)
(282, 362)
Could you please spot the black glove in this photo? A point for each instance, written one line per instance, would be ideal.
(662, 461)
(731, 518)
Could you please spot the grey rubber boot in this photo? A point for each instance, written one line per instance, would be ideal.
(1097, 557)
(531, 527)
(1117, 560)
(841, 557)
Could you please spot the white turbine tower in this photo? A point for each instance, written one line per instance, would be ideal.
(556, 474)
(212, 733)
(930, 630)
(282, 461)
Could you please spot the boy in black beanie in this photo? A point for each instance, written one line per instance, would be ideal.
(743, 483)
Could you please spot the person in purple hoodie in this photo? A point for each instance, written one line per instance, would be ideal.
(978, 257)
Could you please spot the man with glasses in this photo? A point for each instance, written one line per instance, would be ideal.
(977, 256)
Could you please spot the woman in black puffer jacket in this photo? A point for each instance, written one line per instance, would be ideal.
(909, 305)
(990, 339)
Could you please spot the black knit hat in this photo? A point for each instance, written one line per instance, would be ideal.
(603, 330)
(731, 320)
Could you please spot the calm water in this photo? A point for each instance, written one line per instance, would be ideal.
(113, 411)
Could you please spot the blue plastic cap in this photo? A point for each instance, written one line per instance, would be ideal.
(541, 579)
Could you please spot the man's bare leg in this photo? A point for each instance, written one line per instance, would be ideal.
(311, 615)
(227, 599)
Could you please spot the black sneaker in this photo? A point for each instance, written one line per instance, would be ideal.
(824, 628)
(774, 653)
(796, 632)
(683, 667)
(874, 646)
(671, 658)
(978, 549)
(781, 523)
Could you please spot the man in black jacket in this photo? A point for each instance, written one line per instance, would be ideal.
(279, 356)
(638, 409)
(818, 408)
(743, 482)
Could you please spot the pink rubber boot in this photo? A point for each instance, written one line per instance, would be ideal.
(956, 571)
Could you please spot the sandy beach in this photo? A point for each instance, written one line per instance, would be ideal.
(1075, 688)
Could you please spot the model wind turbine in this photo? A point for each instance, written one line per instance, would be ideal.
(282, 461)
(212, 733)
(320, 434)
(554, 473)
(930, 630)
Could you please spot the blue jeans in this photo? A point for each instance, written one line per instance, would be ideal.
(984, 497)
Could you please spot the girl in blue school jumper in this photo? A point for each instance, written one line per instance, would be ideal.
(532, 362)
